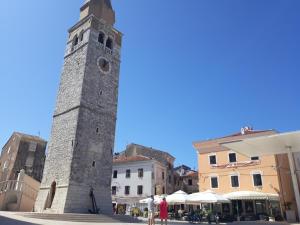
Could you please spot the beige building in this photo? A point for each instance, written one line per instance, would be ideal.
(19, 194)
(225, 171)
(22, 151)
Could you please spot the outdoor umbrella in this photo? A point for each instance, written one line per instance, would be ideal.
(206, 197)
(178, 197)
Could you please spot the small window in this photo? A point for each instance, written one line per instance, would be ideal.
(140, 190)
(232, 157)
(190, 182)
(235, 181)
(127, 190)
(5, 165)
(127, 173)
(257, 181)
(140, 173)
(81, 36)
(109, 43)
(94, 164)
(212, 159)
(163, 175)
(163, 190)
(115, 175)
(170, 179)
(214, 182)
(101, 38)
(8, 151)
(75, 41)
(254, 158)
(113, 190)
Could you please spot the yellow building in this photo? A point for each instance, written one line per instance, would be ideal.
(265, 182)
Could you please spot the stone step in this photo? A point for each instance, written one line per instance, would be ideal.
(89, 218)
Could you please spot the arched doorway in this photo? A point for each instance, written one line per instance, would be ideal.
(51, 195)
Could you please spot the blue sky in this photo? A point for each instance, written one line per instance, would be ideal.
(191, 70)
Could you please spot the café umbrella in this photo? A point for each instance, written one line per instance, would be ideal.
(206, 197)
(177, 198)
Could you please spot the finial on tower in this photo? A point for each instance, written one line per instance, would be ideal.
(102, 9)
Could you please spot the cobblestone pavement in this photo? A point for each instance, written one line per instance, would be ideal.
(7, 218)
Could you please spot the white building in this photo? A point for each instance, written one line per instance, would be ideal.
(135, 178)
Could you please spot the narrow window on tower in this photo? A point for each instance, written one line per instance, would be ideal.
(75, 41)
(101, 38)
(81, 35)
(94, 164)
(109, 43)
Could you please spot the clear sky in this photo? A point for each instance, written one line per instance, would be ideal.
(191, 69)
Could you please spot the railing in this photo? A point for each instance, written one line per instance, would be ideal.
(18, 187)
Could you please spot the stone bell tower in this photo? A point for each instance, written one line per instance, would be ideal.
(80, 150)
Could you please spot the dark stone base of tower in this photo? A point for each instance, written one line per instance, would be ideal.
(78, 168)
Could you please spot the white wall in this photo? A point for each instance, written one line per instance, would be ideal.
(146, 181)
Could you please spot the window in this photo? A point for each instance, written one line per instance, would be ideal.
(140, 173)
(75, 40)
(163, 190)
(140, 190)
(101, 38)
(5, 165)
(81, 36)
(232, 157)
(127, 173)
(127, 190)
(8, 151)
(115, 175)
(235, 181)
(109, 43)
(113, 190)
(163, 175)
(214, 182)
(257, 181)
(190, 182)
(170, 179)
(254, 158)
(212, 159)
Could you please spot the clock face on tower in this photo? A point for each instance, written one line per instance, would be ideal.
(104, 65)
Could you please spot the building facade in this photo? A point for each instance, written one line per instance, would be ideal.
(84, 121)
(162, 157)
(186, 179)
(22, 152)
(225, 171)
(135, 178)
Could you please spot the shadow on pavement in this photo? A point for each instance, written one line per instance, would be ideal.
(8, 221)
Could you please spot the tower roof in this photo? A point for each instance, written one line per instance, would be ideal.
(102, 9)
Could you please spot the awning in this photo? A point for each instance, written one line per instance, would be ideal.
(251, 195)
(266, 145)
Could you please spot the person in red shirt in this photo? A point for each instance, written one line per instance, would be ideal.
(163, 206)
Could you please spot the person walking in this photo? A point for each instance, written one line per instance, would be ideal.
(151, 211)
(163, 206)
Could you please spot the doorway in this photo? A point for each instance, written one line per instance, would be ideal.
(51, 196)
